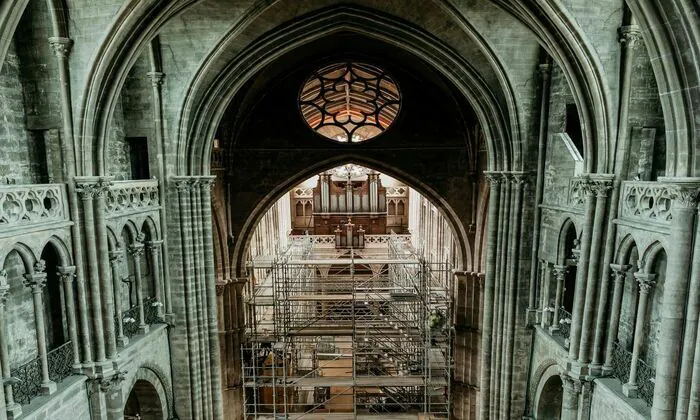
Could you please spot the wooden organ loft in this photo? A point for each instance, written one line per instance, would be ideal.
(349, 204)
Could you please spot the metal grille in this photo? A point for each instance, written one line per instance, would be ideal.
(26, 379)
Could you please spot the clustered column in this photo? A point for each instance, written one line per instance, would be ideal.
(685, 195)
(545, 283)
(154, 253)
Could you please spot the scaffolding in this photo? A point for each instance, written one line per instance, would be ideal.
(347, 334)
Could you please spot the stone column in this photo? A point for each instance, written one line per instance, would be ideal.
(87, 189)
(646, 281)
(559, 271)
(570, 397)
(136, 251)
(518, 180)
(36, 281)
(66, 274)
(115, 258)
(544, 71)
(12, 410)
(156, 83)
(488, 291)
(690, 333)
(206, 184)
(154, 252)
(600, 188)
(582, 269)
(685, 194)
(106, 285)
(544, 292)
(620, 273)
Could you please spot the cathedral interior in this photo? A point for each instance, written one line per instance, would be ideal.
(365, 209)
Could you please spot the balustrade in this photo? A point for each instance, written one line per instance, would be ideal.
(128, 197)
(621, 362)
(129, 319)
(28, 205)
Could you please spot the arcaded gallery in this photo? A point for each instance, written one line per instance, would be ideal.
(373, 209)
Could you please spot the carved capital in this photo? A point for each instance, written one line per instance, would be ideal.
(221, 287)
(600, 187)
(686, 197)
(66, 273)
(181, 183)
(629, 36)
(156, 77)
(86, 191)
(544, 70)
(111, 383)
(619, 271)
(61, 46)
(136, 250)
(116, 256)
(646, 281)
(559, 271)
(40, 266)
(35, 281)
(519, 178)
(102, 186)
(570, 384)
(207, 183)
(494, 178)
(155, 245)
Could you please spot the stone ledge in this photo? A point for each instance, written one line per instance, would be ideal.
(608, 392)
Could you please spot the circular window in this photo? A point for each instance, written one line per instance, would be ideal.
(349, 102)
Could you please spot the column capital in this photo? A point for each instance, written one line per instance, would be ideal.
(136, 249)
(154, 245)
(61, 46)
(111, 383)
(116, 255)
(570, 384)
(181, 183)
(619, 271)
(66, 273)
(520, 178)
(156, 77)
(35, 281)
(90, 187)
(207, 182)
(544, 70)
(646, 281)
(686, 197)
(559, 271)
(493, 177)
(600, 187)
(629, 35)
(221, 286)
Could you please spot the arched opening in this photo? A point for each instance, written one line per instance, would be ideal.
(549, 403)
(143, 402)
(570, 261)
(54, 296)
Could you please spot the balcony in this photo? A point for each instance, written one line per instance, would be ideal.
(32, 207)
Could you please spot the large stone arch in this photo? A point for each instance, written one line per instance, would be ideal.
(289, 180)
(150, 394)
(206, 104)
(548, 394)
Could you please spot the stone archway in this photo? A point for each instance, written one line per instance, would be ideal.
(147, 398)
(549, 395)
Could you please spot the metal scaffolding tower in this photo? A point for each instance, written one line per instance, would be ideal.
(348, 334)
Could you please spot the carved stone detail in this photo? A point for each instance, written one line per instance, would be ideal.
(32, 204)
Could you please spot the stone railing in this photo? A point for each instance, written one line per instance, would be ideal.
(26, 379)
(303, 192)
(129, 197)
(25, 205)
(647, 202)
(315, 239)
(398, 191)
(384, 239)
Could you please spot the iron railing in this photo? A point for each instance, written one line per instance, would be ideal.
(621, 364)
(130, 317)
(564, 323)
(26, 379)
